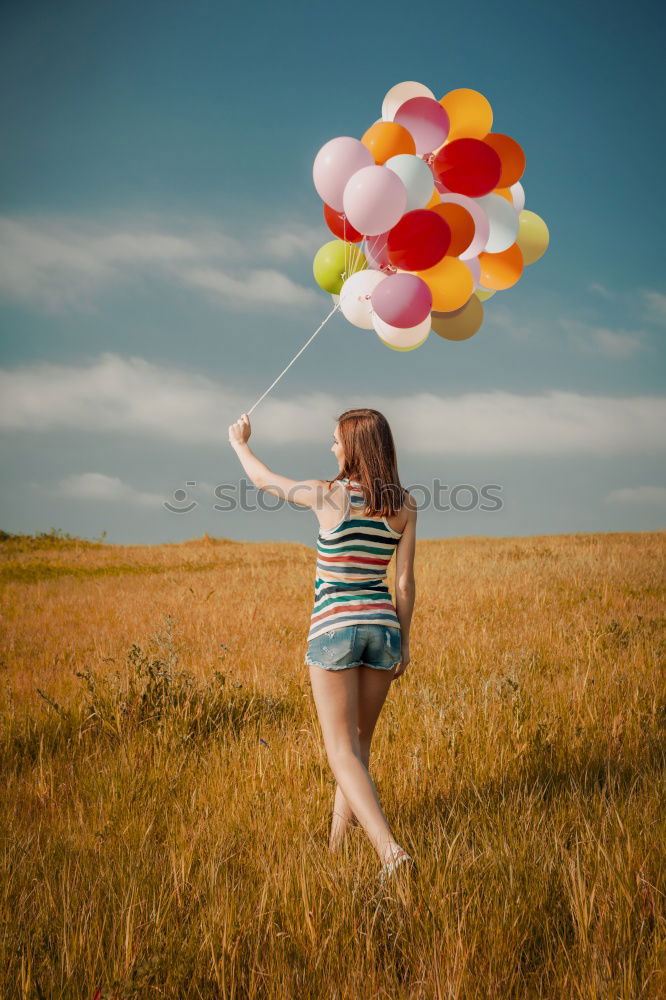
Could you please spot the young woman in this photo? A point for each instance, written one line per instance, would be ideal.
(358, 641)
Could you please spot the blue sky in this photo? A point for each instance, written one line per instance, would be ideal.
(157, 233)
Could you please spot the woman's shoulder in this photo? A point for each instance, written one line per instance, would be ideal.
(405, 514)
(408, 502)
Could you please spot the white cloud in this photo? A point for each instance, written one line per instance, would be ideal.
(294, 240)
(613, 344)
(510, 324)
(600, 289)
(97, 486)
(655, 305)
(134, 396)
(553, 423)
(594, 339)
(639, 496)
(265, 287)
(58, 264)
(114, 394)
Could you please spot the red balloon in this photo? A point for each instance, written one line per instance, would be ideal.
(340, 225)
(468, 166)
(418, 241)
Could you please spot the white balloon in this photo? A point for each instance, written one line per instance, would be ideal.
(474, 266)
(416, 176)
(518, 196)
(336, 299)
(355, 297)
(399, 94)
(395, 336)
(503, 220)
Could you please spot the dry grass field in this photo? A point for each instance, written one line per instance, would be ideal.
(165, 797)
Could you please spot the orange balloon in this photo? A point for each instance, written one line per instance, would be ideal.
(501, 270)
(511, 155)
(470, 114)
(387, 139)
(461, 324)
(460, 223)
(435, 200)
(504, 193)
(450, 282)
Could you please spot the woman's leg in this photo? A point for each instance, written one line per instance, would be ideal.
(343, 817)
(373, 687)
(336, 696)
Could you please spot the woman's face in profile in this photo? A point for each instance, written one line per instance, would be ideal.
(337, 449)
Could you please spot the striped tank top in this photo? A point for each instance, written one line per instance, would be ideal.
(352, 559)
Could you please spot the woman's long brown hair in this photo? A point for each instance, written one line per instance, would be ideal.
(370, 460)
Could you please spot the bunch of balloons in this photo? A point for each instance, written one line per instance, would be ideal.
(429, 217)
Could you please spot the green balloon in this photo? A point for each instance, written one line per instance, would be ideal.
(335, 262)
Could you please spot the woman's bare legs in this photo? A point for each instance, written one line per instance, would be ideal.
(348, 704)
(343, 817)
(373, 688)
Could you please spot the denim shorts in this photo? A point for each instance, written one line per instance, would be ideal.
(356, 645)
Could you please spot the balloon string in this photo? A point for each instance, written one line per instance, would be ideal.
(347, 247)
(320, 327)
(384, 247)
(356, 257)
(353, 252)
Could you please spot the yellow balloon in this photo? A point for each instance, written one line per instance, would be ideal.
(461, 324)
(533, 236)
(484, 293)
(435, 199)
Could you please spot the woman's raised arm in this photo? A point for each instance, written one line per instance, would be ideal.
(304, 492)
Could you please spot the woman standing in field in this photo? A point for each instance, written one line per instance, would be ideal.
(358, 641)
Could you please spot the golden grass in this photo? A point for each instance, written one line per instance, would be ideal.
(166, 798)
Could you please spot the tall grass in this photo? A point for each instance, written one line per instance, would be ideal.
(166, 798)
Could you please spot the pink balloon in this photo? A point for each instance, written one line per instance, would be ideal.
(374, 199)
(405, 301)
(334, 164)
(481, 223)
(426, 121)
(375, 249)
